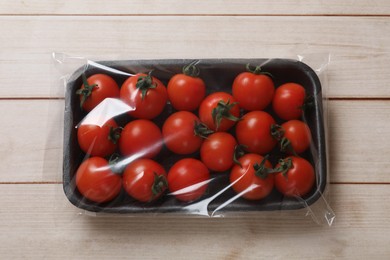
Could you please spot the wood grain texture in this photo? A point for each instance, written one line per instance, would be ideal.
(177, 7)
(358, 141)
(359, 47)
(39, 218)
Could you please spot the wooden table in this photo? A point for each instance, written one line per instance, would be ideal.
(36, 221)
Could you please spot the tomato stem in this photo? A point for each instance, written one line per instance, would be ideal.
(222, 111)
(257, 70)
(260, 169)
(308, 103)
(159, 185)
(285, 146)
(191, 70)
(277, 132)
(86, 91)
(114, 134)
(201, 130)
(144, 83)
(113, 163)
(239, 151)
(284, 166)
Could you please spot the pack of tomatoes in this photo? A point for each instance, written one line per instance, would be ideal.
(203, 137)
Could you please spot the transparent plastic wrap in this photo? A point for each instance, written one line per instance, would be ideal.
(208, 137)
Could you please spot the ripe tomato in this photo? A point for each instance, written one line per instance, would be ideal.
(298, 135)
(179, 132)
(253, 90)
(296, 176)
(96, 181)
(188, 179)
(96, 139)
(145, 180)
(254, 131)
(288, 101)
(217, 151)
(95, 89)
(219, 111)
(186, 90)
(145, 94)
(140, 138)
(251, 179)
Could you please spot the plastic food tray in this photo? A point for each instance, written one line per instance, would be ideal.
(218, 75)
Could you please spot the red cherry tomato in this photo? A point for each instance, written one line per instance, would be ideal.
(140, 138)
(95, 89)
(96, 181)
(179, 133)
(188, 179)
(145, 94)
(298, 135)
(288, 101)
(254, 131)
(298, 178)
(250, 179)
(217, 151)
(253, 91)
(186, 90)
(96, 139)
(144, 180)
(219, 111)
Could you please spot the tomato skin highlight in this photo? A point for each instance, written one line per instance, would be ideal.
(179, 133)
(252, 91)
(217, 151)
(298, 133)
(106, 87)
(210, 103)
(186, 92)
(141, 138)
(299, 180)
(96, 182)
(139, 178)
(246, 183)
(288, 101)
(254, 131)
(146, 106)
(94, 139)
(188, 179)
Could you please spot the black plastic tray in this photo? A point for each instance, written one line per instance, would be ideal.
(218, 75)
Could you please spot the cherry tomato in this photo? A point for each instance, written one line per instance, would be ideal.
(254, 131)
(188, 179)
(219, 111)
(140, 138)
(145, 180)
(298, 135)
(186, 90)
(95, 89)
(251, 180)
(253, 90)
(296, 177)
(145, 94)
(217, 151)
(96, 139)
(288, 101)
(96, 181)
(179, 133)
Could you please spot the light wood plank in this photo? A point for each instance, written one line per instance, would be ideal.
(359, 47)
(39, 218)
(359, 140)
(251, 7)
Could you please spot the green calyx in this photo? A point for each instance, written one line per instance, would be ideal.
(159, 185)
(114, 134)
(257, 70)
(144, 83)
(222, 111)
(277, 132)
(260, 170)
(201, 130)
(284, 166)
(239, 151)
(191, 70)
(86, 91)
